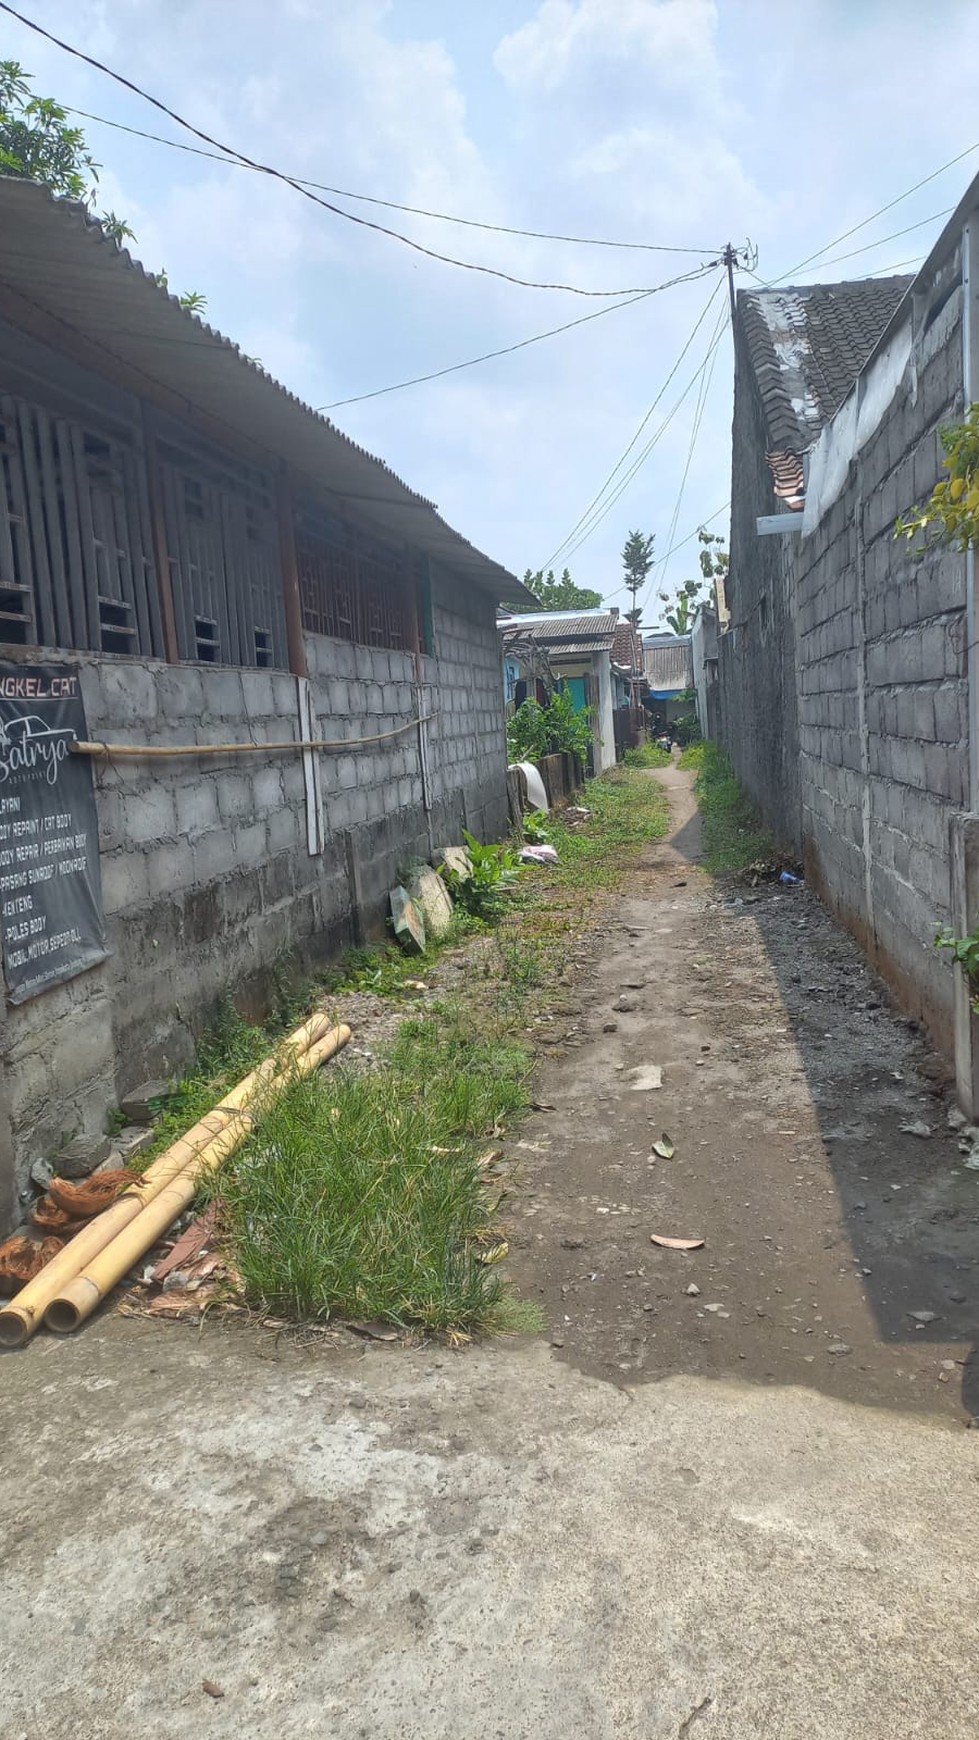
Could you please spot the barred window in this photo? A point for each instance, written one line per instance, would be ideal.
(352, 587)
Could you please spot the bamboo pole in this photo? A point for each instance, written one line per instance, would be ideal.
(79, 1297)
(168, 751)
(22, 1315)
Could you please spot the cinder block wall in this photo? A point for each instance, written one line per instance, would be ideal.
(757, 715)
(207, 879)
(883, 693)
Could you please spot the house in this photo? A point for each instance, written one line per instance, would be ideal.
(527, 673)
(579, 646)
(194, 565)
(628, 688)
(848, 687)
(704, 668)
(669, 677)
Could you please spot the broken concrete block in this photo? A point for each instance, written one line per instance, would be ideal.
(131, 1141)
(430, 894)
(137, 1107)
(81, 1156)
(407, 921)
(456, 860)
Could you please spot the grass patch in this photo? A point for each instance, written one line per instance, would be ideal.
(735, 838)
(647, 755)
(693, 756)
(362, 1196)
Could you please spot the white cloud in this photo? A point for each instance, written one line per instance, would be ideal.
(672, 37)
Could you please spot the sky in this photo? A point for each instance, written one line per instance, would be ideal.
(677, 124)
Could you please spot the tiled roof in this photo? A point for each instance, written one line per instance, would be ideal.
(807, 345)
(627, 648)
(669, 667)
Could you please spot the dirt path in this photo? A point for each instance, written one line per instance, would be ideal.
(786, 1080)
(527, 1541)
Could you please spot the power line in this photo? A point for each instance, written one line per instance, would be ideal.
(622, 459)
(508, 349)
(640, 460)
(393, 204)
(299, 187)
(901, 197)
(698, 418)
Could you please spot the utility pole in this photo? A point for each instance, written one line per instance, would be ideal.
(730, 259)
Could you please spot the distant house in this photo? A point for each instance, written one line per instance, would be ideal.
(669, 675)
(579, 647)
(703, 660)
(197, 559)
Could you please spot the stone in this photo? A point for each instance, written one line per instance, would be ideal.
(693, 1291)
(956, 1118)
(957, 1298)
(82, 1156)
(138, 1106)
(42, 1173)
(923, 1317)
(626, 1004)
(454, 859)
(430, 895)
(407, 922)
(839, 1348)
(917, 1127)
(610, 1027)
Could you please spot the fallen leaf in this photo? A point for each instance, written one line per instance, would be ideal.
(664, 1147)
(190, 1244)
(491, 1158)
(541, 1106)
(212, 1690)
(675, 1244)
(494, 1254)
(376, 1330)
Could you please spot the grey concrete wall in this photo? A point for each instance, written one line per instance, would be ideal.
(875, 714)
(757, 711)
(883, 696)
(208, 883)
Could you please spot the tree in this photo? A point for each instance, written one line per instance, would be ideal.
(687, 603)
(37, 143)
(554, 594)
(637, 560)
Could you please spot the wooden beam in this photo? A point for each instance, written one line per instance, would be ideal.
(778, 525)
(295, 638)
(158, 532)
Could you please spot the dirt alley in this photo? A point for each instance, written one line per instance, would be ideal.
(786, 1079)
(654, 1521)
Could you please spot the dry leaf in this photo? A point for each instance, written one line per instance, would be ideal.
(541, 1106)
(494, 1254)
(491, 1157)
(377, 1330)
(675, 1244)
(211, 1689)
(664, 1147)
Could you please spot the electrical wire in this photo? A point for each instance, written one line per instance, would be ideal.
(306, 192)
(508, 349)
(624, 456)
(640, 460)
(393, 204)
(698, 418)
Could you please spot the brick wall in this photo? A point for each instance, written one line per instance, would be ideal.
(207, 878)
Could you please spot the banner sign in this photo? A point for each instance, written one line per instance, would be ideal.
(51, 921)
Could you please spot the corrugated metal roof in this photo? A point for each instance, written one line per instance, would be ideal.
(56, 261)
(567, 635)
(669, 667)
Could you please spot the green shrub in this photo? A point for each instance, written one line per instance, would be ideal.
(557, 729)
(494, 868)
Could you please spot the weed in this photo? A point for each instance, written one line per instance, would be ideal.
(648, 755)
(536, 828)
(694, 756)
(494, 868)
(735, 839)
(362, 1195)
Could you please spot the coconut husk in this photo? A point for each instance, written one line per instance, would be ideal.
(89, 1196)
(49, 1218)
(21, 1258)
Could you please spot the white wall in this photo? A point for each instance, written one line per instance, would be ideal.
(603, 725)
